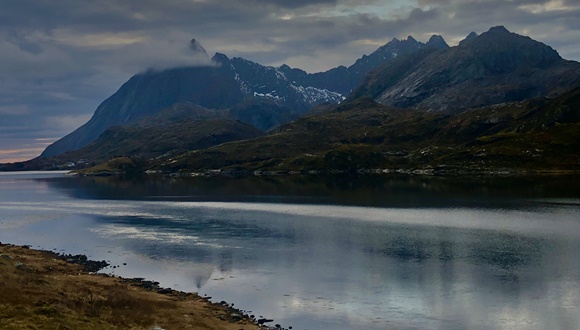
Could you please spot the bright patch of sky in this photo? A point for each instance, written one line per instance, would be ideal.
(69, 37)
(553, 5)
(380, 9)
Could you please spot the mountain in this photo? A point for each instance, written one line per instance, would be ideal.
(197, 48)
(437, 42)
(534, 135)
(146, 94)
(278, 93)
(495, 67)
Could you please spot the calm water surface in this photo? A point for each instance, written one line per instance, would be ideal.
(326, 253)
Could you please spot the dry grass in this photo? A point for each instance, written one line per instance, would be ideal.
(46, 293)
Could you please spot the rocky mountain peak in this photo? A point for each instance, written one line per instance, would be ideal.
(517, 67)
(220, 58)
(437, 41)
(411, 39)
(393, 43)
(499, 29)
(197, 48)
(469, 37)
(503, 51)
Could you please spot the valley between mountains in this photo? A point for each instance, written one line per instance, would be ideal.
(496, 103)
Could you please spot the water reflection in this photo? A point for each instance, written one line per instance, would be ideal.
(368, 190)
(324, 258)
(373, 268)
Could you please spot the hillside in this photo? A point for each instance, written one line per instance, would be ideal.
(539, 134)
(150, 142)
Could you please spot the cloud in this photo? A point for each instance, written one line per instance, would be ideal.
(97, 40)
(549, 6)
(17, 109)
(294, 4)
(61, 58)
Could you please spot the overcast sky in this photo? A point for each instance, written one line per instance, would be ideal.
(61, 58)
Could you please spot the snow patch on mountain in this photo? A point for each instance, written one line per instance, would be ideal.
(313, 95)
(271, 95)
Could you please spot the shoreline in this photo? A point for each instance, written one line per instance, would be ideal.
(437, 172)
(65, 291)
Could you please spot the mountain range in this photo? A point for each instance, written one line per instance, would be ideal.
(263, 96)
(408, 104)
(497, 66)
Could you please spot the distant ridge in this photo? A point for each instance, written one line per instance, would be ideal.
(494, 67)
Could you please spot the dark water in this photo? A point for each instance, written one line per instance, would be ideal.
(326, 252)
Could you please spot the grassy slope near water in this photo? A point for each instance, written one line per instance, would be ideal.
(40, 291)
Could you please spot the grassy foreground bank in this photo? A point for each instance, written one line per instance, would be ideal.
(40, 291)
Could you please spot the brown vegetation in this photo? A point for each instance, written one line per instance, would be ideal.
(39, 291)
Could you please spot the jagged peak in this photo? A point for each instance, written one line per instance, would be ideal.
(220, 58)
(522, 50)
(411, 39)
(197, 47)
(436, 37)
(393, 41)
(499, 28)
(437, 41)
(470, 36)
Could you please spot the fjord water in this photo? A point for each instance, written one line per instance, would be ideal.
(371, 252)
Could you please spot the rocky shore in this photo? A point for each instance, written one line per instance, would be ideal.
(47, 290)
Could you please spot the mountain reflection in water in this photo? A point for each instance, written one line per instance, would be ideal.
(328, 252)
